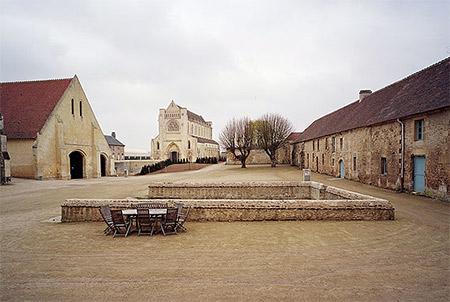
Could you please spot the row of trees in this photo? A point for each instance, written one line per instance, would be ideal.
(269, 132)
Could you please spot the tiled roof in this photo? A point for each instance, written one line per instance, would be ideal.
(205, 140)
(423, 91)
(113, 141)
(195, 117)
(27, 105)
(293, 136)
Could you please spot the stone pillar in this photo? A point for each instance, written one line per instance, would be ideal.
(306, 173)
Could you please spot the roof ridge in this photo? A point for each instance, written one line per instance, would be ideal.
(34, 81)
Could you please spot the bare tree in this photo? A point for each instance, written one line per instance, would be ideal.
(271, 132)
(238, 138)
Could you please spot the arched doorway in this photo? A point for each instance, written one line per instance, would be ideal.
(174, 156)
(76, 165)
(103, 164)
(341, 169)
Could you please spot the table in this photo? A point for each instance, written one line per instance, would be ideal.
(154, 213)
(133, 212)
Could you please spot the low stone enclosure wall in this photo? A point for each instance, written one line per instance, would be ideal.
(250, 201)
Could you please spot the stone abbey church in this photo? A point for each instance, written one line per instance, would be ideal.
(183, 135)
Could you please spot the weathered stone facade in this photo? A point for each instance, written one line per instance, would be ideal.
(396, 138)
(71, 128)
(183, 135)
(369, 145)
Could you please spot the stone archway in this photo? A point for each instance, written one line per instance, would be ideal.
(103, 162)
(173, 152)
(76, 165)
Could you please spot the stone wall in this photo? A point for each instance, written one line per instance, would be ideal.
(247, 202)
(369, 144)
(81, 210)
(259, 156)
(133, 166)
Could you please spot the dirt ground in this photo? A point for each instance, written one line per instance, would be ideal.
(402, 260)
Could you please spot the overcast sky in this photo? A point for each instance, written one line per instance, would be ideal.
(220, 59)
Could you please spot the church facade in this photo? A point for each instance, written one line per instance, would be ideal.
(183, 135)
(52, 131)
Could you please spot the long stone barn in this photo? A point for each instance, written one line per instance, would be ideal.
(396, 137)
(52, 131)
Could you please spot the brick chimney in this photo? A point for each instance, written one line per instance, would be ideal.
(363, 94)
(113, 134)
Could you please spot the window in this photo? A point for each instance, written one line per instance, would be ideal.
(314, 145)
(341, 142)
(326, 143)
(81, 109)
(383, 165)
(323, 159)
(189, 144)
(333, 144)
(354, 163)
(418, 130)
(157, 145)
(333, 162)
(318, 145)
(73, 107)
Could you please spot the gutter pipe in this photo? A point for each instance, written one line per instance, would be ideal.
(402, 171)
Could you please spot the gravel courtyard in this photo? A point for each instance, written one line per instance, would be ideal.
(402, 260)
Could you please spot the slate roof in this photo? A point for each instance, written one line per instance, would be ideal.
(113, 141)
(421, 92)
(27, 105)
(205, 140)
(293, 136)
(195, 117)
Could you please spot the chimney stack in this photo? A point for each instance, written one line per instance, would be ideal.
(363, 94)
(113, 134)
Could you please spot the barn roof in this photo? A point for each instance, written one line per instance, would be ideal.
(26, 106)
(112, 141)
(421, 92)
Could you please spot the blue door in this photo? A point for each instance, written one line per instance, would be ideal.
(341, 164)
(419, 173)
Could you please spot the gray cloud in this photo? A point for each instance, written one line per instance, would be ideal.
(220, 59)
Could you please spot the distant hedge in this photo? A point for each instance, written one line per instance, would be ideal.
(165, 163)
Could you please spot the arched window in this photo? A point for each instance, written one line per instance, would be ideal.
(81, 109)
(157, 145)
(73, 107)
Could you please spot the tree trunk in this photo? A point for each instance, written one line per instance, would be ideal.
(273, 162)
(243, 163)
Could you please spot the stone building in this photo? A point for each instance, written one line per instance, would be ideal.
(396, 137)
(5, 170)
(52, 131)
(117, 148)
(183, 135)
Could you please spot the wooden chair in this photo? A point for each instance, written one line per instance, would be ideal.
(144, 221)
(105, 211)
(169, 224)
(181, 219)
(120, 223)
(155, 205)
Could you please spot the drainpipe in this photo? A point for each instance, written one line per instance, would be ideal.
(402, 173)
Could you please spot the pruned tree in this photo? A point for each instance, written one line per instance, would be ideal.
(271, 132)
(238, 138)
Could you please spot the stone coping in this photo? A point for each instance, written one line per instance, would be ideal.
(237, 203)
